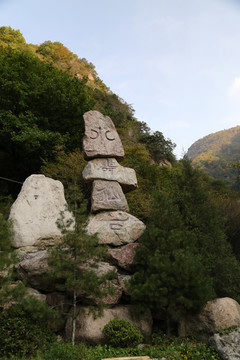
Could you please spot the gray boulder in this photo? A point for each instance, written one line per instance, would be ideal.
(35, 212)
(110, 169)
(217, 314)
(101, 138)
(227, 345)
(33, 270)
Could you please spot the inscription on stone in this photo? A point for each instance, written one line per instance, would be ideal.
(110, 169)
(108, 195)
(101, 138)
(115, 227)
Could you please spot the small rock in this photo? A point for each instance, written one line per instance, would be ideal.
(124, 256)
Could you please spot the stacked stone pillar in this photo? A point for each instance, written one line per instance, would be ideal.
(110, 217)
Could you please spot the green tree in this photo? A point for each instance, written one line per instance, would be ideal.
(5, 243)
(158, 147)
(74, 262)
(203, 216)
(41, 108)
(170, 274)
(9, 35)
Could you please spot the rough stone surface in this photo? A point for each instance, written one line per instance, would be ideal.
(115, 227)
(101, 138)
(90, 329)
(108, 195)
(102, 269)
(123, 280)
(124, 256)
(217, 314)
(36, 210)
(112, 298)
(110, 169)
(33, 270)
(164, 162)
(35, 293)
(227, 345)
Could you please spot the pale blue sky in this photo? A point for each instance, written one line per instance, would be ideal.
(176, 61)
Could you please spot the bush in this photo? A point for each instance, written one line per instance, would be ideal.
(66, 352)
(121, 333)
(22, 330)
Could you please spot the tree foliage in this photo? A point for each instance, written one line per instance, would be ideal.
(9, 35)
(185, 258)
(41, 108)
(5, 243)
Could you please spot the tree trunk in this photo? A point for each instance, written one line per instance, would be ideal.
(168, 324)
(74, 316)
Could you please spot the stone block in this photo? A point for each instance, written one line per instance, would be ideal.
(110, 169)
(108, 195)
(115, 227)
(101, 138)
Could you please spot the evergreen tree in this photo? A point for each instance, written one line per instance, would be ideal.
(170, 273)
(202, 216)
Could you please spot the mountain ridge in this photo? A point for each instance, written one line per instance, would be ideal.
(214, 153)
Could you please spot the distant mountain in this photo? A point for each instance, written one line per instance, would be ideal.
(215, 152)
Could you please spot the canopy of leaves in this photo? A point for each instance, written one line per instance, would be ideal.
(185, 258)
(41, 108)
(9, 35)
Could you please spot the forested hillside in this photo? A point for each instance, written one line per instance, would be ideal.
(216, 153)
(44, 92)
(190, 250)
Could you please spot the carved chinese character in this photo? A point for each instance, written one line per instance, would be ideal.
(110, 169)
(101, 138)
(115, 227)
(108, 195)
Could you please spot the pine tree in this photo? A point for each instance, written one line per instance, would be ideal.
(170, 275)
(74, 262)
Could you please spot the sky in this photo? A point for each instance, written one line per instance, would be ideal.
(177, 62)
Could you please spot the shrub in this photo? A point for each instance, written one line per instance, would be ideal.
(121, 333)
(22, 330)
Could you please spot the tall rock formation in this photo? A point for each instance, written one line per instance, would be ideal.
(112, 222)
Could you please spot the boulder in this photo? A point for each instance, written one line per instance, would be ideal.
(110, 169)
(108, 195)
(101, 138)
(114, 295)
(115, 227)
(227, 345)
(102, 268)
(217, 314)
(33, 270)
(124, 256)
(35, 212)
(89, 328)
